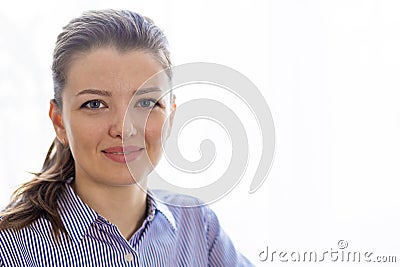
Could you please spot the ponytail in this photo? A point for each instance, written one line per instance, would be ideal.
(38, 197)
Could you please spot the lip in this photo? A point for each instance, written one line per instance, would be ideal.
(123, 154)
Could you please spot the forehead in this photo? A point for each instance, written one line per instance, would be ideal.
(115, 71)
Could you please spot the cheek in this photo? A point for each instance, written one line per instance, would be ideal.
(83, 134)
(154, 133)
(154, 126)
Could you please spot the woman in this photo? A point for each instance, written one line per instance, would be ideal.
(85, 208)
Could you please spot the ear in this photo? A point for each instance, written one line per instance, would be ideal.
(172, 115)
(56, 118)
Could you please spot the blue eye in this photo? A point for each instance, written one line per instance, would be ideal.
(146, 103)
(93, 104)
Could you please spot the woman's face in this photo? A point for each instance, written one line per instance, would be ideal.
(102, 85)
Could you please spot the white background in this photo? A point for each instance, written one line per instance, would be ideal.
(329, 71)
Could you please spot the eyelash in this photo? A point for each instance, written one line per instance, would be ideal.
(154, 101)
(87, 103)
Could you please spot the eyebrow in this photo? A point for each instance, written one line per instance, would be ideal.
(108, 94)
(94, 92)
(147, 90)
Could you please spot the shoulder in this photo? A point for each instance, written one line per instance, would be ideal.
(38, 230)
(179, 203)
(174, 199)
(27, 245)
(199, 224)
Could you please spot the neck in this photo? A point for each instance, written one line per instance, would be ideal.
(124, 206)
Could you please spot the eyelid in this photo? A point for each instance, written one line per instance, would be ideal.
(155, 102)
(85, 104)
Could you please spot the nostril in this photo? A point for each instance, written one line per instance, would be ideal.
(115, 132)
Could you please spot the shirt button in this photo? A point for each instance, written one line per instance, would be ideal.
(151, 215)
(128, 257)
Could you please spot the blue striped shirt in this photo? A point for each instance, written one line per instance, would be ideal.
(169, 236)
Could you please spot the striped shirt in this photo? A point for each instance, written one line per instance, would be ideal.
(169, 236)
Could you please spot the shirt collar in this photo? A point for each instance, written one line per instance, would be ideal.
(156, 204)
(77, 216)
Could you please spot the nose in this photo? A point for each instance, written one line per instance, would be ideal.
(122, 127)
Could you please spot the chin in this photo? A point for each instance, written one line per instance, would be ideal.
(129, 179)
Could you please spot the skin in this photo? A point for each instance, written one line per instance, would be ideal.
(91, 121)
